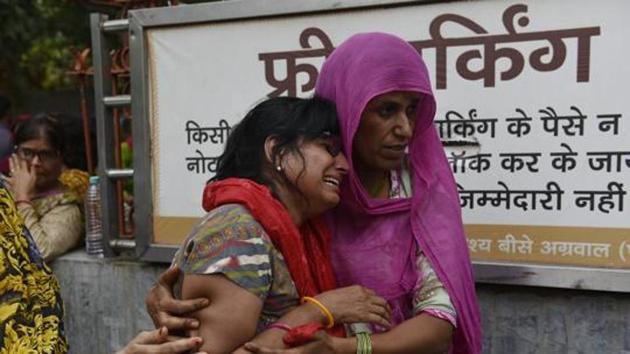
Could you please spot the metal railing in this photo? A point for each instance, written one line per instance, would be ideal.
(105, 102)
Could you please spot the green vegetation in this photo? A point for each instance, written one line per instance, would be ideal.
(38, 41)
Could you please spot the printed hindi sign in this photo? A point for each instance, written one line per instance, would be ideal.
(532, 107)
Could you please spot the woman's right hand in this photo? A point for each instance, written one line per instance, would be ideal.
(165, 310)
(158, 342)
(22, 180)
(355, 304)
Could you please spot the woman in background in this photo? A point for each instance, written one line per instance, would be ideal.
(52, 210)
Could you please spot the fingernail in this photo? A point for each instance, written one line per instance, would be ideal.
(197, 340)
(162, 331)
(194, 323)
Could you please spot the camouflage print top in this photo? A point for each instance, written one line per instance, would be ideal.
(229, 241)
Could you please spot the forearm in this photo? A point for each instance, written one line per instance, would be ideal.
(303, 314)
(57, 231)
(31, 221)
(422, 334)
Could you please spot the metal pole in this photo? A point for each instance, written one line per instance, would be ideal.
(105, 133)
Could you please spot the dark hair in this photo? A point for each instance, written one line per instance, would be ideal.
(5, 105)
(288, 119)
(63, 132)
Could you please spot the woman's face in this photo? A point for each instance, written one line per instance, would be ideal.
(317, 174)
(386, 127)
(43, 159)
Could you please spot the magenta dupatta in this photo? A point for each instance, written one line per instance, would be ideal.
(374, 240)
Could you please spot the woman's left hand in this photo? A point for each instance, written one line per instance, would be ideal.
(22, 180)
(322, 345)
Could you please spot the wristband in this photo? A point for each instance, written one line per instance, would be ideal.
(322, 308)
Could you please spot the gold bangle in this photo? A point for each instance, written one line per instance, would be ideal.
(322, 308)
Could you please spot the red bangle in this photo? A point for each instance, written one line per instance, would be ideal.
(280, 325)
(23, 201)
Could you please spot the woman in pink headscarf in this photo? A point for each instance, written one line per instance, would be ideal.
(398, 228)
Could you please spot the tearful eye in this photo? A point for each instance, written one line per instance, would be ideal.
(332, 145)
(334, 150)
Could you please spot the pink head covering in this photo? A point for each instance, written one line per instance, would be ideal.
(374, 240)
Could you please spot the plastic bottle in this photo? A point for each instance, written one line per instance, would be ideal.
(93, 222)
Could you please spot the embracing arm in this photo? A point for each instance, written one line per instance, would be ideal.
(348, 305)
(167, 311)
(352, 304)
(418, 335)
(422, 334)
(430, 331)
(272, 338)
(233, 316)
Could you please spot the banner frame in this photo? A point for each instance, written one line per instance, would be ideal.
(570, 277)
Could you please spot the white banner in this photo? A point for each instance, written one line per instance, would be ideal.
(538, 85)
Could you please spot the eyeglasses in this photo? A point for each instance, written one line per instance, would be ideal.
(29, 154)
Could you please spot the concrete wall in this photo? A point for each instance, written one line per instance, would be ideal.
(553, 321)
(104, 301)
(105, 308)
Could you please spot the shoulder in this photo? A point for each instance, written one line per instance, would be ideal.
(65, 199)
(68, 196)
(76, 181)
(229, 241)
(61, 197)
(226, 232)
(229, 221)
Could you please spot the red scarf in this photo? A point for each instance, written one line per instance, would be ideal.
(306, 251)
